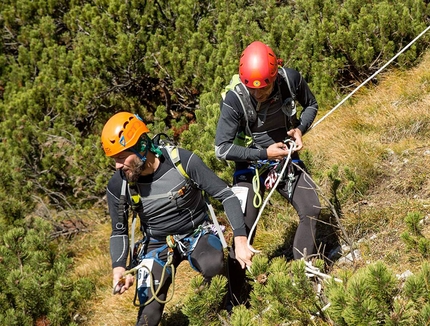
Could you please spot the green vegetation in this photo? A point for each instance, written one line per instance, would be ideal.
(66, 66)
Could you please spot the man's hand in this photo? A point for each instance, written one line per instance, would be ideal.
(296, 135)
(277, 151)
(121, 282)
(242, 252)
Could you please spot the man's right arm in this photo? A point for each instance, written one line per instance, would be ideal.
(227, 128)
(119, 242)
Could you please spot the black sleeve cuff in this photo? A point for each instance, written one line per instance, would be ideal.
(240, 232)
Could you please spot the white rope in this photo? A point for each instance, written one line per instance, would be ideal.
(313, 271)
(368, 79)
(287, 161)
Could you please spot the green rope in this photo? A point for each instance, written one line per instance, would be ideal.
(256, 184)
(169, 263)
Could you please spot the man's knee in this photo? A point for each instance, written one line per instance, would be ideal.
(208, 256)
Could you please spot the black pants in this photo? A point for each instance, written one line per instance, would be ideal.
(301, 193)
(207, 258)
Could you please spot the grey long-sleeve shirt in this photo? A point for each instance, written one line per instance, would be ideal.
(164, 215)
(271, 125)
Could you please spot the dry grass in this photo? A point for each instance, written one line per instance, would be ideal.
(382, 135)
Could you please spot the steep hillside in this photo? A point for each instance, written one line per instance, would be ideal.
(383, 140)
(377, 145)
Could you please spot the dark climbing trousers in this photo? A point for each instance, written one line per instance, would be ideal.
(305, 201)
(207, 258)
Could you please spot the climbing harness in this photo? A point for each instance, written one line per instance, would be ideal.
(285, 163)
(260, 167)
(256, 168)
(145, 277)
(185, 245)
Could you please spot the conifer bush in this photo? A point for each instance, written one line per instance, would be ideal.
(35, 284)
(367, 298)
(414, 239)
(204, 300)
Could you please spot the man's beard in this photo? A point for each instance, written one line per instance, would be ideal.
(135, 169)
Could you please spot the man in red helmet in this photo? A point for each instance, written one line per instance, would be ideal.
(255, 121)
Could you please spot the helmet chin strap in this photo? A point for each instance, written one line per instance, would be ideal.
(142, 157)
(145, 144)
(139, 147)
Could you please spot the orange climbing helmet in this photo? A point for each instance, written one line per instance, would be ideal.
(258, 65)
(121, 132)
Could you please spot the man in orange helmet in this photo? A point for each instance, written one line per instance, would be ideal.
(256, 120)
(167, 195)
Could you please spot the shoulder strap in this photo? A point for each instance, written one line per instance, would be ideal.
(231, 85)
(136, 208)
(122, 202)
(163, 141)
(173, 153)
(246, 112)
(284, 74)
(249, 112)
(248, 108)
(289, 106)
(241, 93)
(136, 203)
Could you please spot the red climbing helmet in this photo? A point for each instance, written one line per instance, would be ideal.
(258, 65)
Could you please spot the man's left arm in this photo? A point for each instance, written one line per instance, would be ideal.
(208, 181)
(309, 105)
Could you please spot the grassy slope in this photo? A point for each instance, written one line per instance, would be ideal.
(382, 136)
